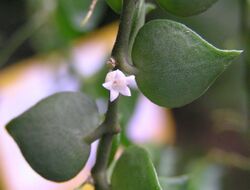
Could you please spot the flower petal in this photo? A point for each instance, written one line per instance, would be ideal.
(119, 75)
(130, 80)
(108, 85)
(110, 76)
(125, 91)
(113, 95)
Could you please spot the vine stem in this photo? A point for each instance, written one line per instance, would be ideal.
(99, 171)
(120, 51)
(110, 126)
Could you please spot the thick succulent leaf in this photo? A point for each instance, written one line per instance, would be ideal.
(115, 5)
(137, 22)
(174, 183)
(51, 134)
(134, 170)
(185, 8)
(175, 65)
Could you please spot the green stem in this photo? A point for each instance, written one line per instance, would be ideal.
(110, 126)
(121, 48)
(99, 171)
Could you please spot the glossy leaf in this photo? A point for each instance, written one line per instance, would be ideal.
(175, 65)
(174, 183)
(134, 170)
(51, 134)
(115, 5)
(185, 8)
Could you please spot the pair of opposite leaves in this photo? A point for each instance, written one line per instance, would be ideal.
(175, 66)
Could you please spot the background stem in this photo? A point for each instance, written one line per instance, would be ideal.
(20, 36)
(245, 38)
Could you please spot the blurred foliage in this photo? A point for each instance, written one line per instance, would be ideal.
(14, 10)
(116, 5)
(62, 21)
(174, 183)
(41, 26)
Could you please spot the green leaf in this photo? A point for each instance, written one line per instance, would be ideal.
(175, 65)
(137, 22)
(115, 5)
(174, 183)
(185, 8)
(51, 134)
(134, 171)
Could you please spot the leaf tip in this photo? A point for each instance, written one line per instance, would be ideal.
(8, 127)
(233, 53)
(230, 55)
(237, 52)
(150, 7)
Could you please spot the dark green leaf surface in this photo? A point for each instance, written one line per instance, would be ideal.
(185, 8)
(134, 171)
(50, 134)
(175, 65)
(116, 5)
(137, 22)
(175, 183)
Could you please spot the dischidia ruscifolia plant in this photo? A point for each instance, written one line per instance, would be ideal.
(172, 66)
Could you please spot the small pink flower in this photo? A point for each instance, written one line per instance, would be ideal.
(118, 83)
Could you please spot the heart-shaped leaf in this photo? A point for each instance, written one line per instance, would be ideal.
(137, 21)
(174, 183)
(185, 8)
(51, 134)
(134, 171)
(175, 65)
(116, 5)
